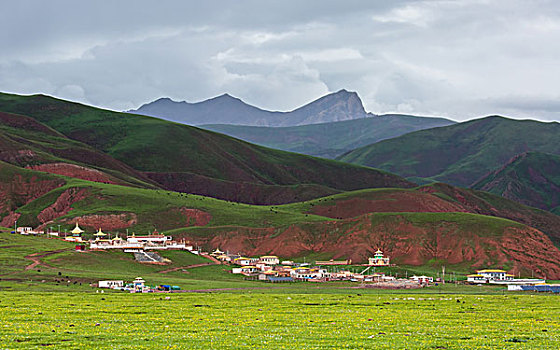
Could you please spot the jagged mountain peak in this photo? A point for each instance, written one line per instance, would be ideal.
(227, 109)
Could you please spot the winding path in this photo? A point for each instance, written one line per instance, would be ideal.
(36, 258)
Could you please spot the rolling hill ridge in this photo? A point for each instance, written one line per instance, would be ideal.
(330, 140)
(349, 225)
(187, 159)
(459, 154)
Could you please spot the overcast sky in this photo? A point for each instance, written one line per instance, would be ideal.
(459, 59)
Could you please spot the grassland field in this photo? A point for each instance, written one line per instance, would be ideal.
(256, 320)
(52, 305)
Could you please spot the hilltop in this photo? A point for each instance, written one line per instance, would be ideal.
(459, 154)
(177, 157)
(226, 109)
(531, 178)
(330, 140)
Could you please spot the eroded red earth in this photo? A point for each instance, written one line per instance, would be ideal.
(525, 249)
(72, 170)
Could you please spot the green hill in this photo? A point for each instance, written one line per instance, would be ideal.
(459, 154)
(530, 178)
(417, 226)
(28, 143)
(330, 140)
(187, 159)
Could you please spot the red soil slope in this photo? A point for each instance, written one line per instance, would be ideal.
(62, 205)
(72, 170)
(522, 249)
(387, 202)
(439, 198)
(108, 222)
(20, 191)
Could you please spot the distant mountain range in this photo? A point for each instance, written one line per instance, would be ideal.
(329, 140)
(226, 109)
(459, 154)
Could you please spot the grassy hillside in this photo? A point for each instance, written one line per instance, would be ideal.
(459, 154)
(28, 143)
(330, 140)
(413, 226)
(192, 160)
(530, 178)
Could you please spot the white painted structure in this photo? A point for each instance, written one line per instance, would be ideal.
(489, 276)
(422, 279)
(110, 284)
(494, 276)
(269, 260)
(242, 261)
(137, 243)
(378, 259)
(149, 239)
(24, 230)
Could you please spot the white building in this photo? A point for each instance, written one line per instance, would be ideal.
(248, 270)
(422, 279)
(24, 230)
(501, 277)
(136, 243)
(269, 260)
(110, 284)
(489, 276)
(308, 273)
(242, 261)
(157, 239)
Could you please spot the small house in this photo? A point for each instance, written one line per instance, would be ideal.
(494, 275)
(110, 284)
(476, 278)
(249, 270)
(423, 280)
(242, 261)
(270, 260)
(24, 230)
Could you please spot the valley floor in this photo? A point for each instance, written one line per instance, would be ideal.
(46, 301)
(256, 320)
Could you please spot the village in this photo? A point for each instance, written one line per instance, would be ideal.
(273, 269)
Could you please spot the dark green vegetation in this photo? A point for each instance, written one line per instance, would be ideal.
(531, 178)
(330, 140)
(28, 143)
(459, 154)
(277, 321)
(184, 158)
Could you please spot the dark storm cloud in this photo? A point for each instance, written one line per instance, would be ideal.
(458, 59)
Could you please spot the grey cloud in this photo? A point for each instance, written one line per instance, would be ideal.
(448, 58)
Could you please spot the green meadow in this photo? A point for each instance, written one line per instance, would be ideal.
(53, 305)
(255, 320)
